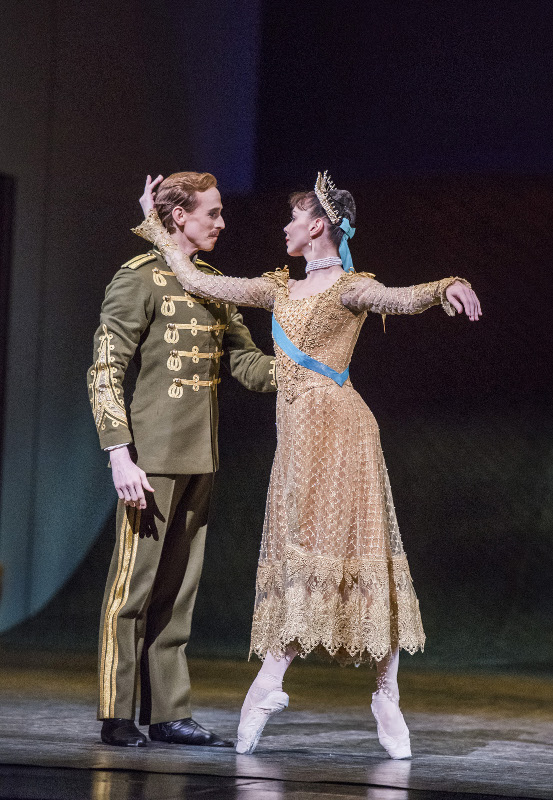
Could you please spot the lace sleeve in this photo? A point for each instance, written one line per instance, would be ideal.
(366, 294)
(256, 292)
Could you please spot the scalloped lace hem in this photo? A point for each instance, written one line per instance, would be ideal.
(353, 611)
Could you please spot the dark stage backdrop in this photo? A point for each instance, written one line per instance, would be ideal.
(392, 99)
(402, 89)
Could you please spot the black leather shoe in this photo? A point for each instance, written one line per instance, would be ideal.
(122, 733)
(185, 731)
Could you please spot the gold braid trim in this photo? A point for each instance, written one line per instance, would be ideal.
(272, 372)
(105, 393)
(119, 593)
(355, 610)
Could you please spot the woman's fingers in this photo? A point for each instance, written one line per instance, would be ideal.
(464, 299)
(474, 310)
(469, 305)
(475, 305)
(148, 197)
(456, 305)
(151, 184)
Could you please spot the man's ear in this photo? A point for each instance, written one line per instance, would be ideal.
(179, 216)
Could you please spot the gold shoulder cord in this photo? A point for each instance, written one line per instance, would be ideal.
(138, 261)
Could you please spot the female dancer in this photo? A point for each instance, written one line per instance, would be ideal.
(332, 575)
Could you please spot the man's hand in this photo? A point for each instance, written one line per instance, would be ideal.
(149, 196)
(129, 480)
(464, 299)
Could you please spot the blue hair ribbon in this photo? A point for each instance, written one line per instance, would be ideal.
(343, 250)
(303, 359)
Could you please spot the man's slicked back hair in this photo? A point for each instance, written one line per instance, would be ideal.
(179, 189)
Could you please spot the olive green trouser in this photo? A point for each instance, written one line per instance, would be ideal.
(149, 598)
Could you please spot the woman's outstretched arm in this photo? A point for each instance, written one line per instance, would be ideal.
(454, 294)
(256, 292)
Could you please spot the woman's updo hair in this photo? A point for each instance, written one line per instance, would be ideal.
(342, 199)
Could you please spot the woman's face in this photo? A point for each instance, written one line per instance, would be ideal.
(298, 232)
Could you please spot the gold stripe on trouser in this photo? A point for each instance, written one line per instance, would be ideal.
(128, 541)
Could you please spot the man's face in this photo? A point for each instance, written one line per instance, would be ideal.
(203, 225)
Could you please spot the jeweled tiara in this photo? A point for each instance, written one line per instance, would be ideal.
(323, 186)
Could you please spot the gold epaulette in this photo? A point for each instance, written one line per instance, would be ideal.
(363, 274)
(138, 261)
(201, 263)
(281, 276)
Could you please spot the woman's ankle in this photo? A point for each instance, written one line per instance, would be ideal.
(386, 684)
(382, 695)
(267, 680)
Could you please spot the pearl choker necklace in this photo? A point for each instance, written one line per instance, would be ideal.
(323, 263)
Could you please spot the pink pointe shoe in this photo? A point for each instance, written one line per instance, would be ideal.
(257, 717)
(398, 746)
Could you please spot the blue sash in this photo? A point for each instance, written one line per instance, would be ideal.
(303, 359)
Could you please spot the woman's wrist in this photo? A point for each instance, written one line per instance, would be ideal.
(153, 231)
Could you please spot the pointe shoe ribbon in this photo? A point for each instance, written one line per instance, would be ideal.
(397, 747)
(257, 717)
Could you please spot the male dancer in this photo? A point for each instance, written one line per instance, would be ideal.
(163, 449)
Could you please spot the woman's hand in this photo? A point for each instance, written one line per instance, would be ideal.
(149, 196)
(464, 299)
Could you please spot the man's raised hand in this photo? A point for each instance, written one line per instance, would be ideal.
(149, 196)
(464, 299)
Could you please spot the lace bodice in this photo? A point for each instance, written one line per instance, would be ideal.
(319, 325)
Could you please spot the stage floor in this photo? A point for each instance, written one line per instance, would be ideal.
(474, 736)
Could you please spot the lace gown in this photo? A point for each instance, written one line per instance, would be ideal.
(333, 575)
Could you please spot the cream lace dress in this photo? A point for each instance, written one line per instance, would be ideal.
(333, 575)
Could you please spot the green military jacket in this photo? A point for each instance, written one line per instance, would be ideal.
(177, 342)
